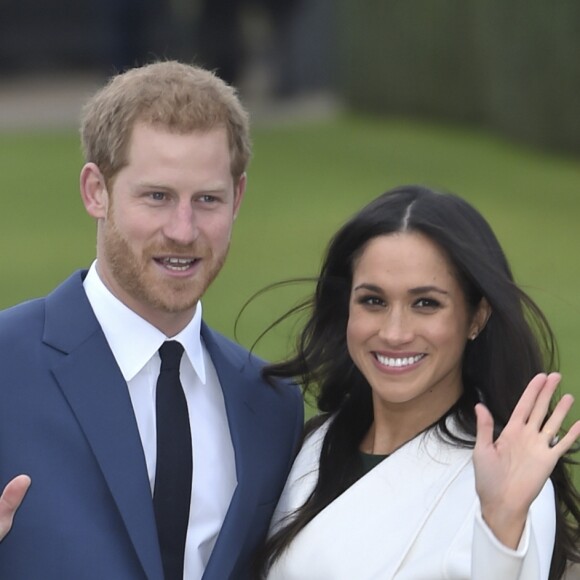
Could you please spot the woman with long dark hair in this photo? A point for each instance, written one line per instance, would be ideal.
(435, 454)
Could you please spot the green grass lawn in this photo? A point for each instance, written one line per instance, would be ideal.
(304, 181)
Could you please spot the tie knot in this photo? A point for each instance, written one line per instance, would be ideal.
(170, 353)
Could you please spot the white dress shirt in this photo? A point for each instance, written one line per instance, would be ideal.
(134, 343)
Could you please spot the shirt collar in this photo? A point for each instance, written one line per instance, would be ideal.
(131, 338)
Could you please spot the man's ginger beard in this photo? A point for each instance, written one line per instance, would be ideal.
(137, 276)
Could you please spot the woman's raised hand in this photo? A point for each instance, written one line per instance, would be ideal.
(511, 471)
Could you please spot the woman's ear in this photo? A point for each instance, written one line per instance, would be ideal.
(480, 318)
(94, 191)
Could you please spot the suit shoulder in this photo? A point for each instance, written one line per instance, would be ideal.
(248, 363)
(21, 318)
(25, 317)
(234, 350)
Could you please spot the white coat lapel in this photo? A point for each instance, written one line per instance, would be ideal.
(403, 490)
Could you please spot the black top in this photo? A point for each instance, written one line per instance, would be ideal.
(369, 461)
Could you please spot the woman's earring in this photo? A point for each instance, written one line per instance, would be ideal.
(473, 335)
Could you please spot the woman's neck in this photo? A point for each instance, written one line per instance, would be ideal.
(393, 427)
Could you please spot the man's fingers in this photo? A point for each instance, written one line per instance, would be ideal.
(15, 491)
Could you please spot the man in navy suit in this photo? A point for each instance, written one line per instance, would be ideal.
(166, 148)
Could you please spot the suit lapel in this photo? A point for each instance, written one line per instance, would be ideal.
(98, 396)
(242, 402)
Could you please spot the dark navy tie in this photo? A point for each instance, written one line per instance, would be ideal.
(172, 491)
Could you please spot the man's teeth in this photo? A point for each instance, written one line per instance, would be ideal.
(398, 362)
(178, 263)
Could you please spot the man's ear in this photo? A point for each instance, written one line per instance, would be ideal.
(94, 191)
(480, 319)
(239, 190)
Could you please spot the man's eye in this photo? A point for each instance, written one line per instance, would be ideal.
(157, 195)
(207, 198)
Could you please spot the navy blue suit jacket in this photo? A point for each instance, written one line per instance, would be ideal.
(66, 420)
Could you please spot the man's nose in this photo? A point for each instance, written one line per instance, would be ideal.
(181, 226)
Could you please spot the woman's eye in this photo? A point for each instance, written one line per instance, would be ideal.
(371, 301)
(427, 303)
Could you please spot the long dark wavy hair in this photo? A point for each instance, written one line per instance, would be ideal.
(515, 344)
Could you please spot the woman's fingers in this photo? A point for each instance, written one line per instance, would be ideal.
(484, 436)
(564, 443)
(525, 405)
(554, 423)
(542, 404)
